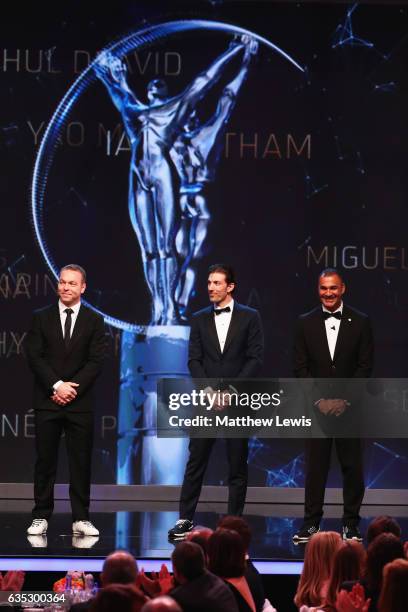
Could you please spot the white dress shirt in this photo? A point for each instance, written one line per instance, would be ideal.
(332, 329)
(222, 323)
(63, 316)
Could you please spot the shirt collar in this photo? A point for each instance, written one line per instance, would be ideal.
(230, 304)
(75, 308)
(339, 309)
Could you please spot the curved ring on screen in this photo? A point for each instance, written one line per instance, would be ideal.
(45, 156)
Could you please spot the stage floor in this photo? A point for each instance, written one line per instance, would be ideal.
(141, 528)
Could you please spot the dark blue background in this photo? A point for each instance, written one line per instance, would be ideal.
(352, 100)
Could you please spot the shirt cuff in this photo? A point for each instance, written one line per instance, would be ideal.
(57, 384)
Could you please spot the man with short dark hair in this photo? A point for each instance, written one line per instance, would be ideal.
(65, 350)
(199, 590)
(200, 536)
(382, 524)
(226, 341)
(333, 341)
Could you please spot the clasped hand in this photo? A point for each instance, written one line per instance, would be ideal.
(65, 393)
(336, 407)
(218, 400)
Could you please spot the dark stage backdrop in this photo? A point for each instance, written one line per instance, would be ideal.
(312, 173)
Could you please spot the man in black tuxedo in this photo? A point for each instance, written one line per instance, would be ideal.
(226, 341)
(198, 590)
(333, 341)
(65, 350)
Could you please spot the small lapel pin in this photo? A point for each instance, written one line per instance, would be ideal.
(349, 320)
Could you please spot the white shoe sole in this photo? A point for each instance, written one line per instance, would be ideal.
(37, 533)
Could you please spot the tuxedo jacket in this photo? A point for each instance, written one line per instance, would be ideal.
(353, 356)
(51, 361)
(243, 350)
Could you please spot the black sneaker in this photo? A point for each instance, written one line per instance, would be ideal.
(180, 529)
(305, 533)
(352, 532)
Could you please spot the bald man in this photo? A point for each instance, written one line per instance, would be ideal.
(119, 567)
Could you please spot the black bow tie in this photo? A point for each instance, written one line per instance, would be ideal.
(336, 315)
(220, 310)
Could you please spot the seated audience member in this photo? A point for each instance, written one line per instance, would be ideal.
(119, 567)
(382, 524)
(200, 535)
(13, 580)
(163, 582)
(348, 565)
(238, 524)
(199, 590)
(317, 568)
(118, 597)
(347, 601)
(384, 548)
(394, 590)
(226, 559)
(163, 603)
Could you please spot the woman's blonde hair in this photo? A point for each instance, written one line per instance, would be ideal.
(317, 567)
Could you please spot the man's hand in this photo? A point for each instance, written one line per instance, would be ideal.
(223, 401)
(58, 400)
(166, 580)
(324, 406)
(159, 584)
(217, 400)
(151, 585)
(66, 391)
(211, 397)
(217, 403)
(338, 407)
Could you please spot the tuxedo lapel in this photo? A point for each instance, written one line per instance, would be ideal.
(233, 326)
(55, 324)
(320, 334)
(346, 328)
(212, 330)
